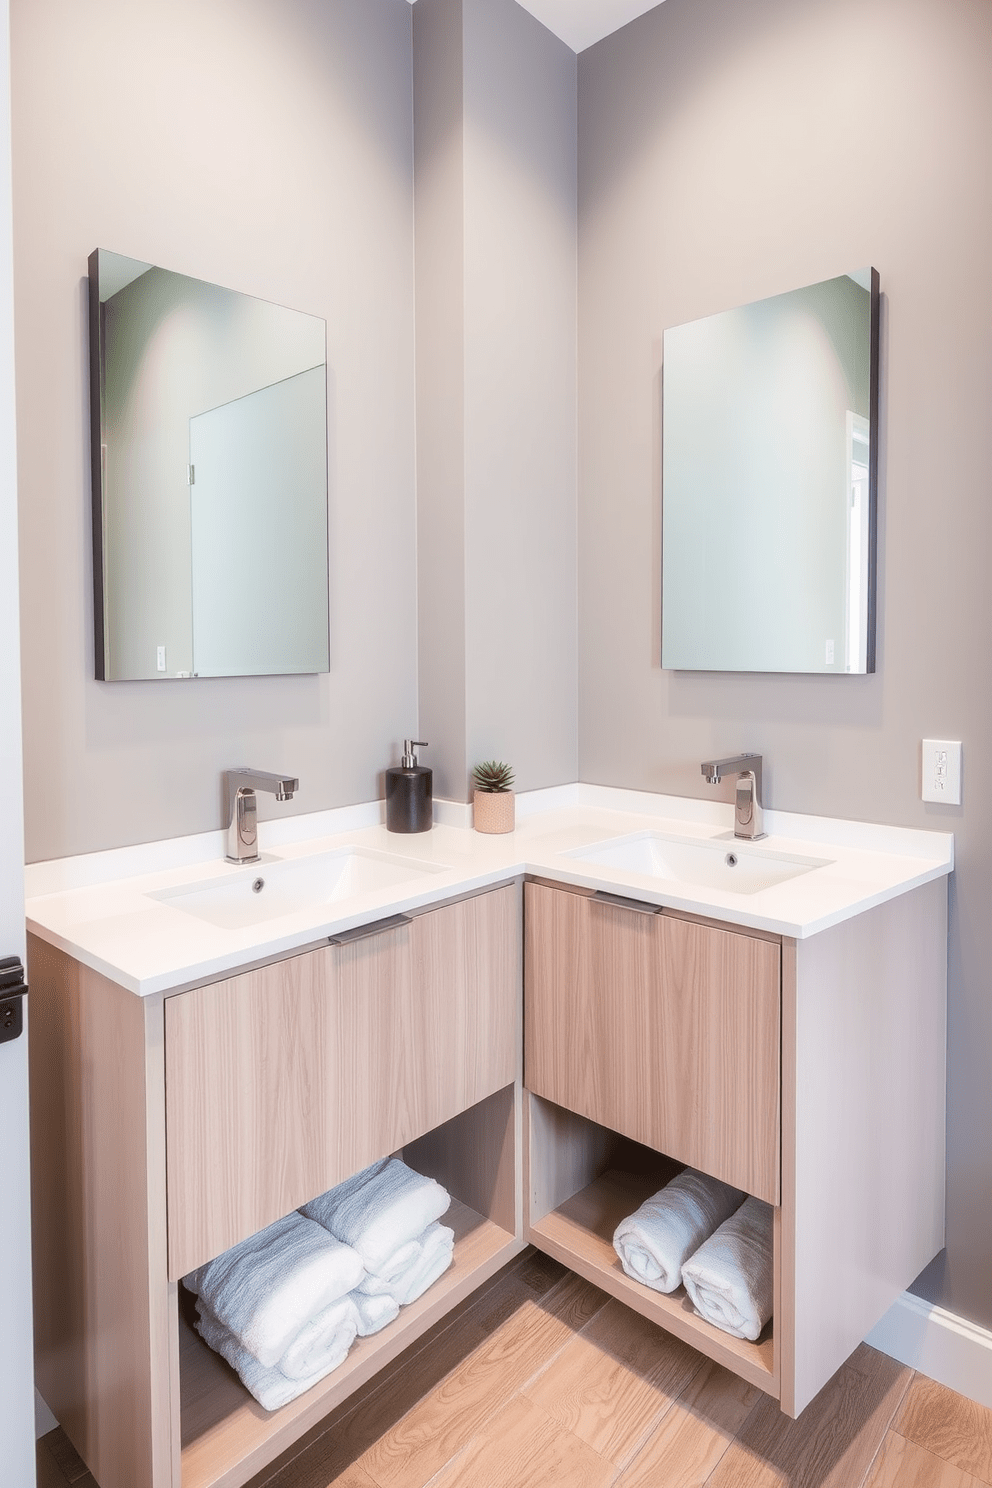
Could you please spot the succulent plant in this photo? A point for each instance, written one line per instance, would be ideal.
(493, 775)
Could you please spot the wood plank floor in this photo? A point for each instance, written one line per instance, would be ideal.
(540, 1379)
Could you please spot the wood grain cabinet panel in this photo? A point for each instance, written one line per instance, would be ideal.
(284, 1080)
(666, 1030)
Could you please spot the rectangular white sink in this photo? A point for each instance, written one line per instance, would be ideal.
(730, 865)
(252, 893)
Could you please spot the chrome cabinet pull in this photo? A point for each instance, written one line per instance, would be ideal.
(377, 927)
(637, 905)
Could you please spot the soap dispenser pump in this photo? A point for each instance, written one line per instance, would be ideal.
(410, 792)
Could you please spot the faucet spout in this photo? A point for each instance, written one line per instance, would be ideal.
(242, 820)
(748, 809)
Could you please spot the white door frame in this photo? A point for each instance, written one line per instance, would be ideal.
(17, 1455)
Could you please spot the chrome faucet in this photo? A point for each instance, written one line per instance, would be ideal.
(748, 821)
(242, 824)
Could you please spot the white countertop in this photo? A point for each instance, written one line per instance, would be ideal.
(99, 907)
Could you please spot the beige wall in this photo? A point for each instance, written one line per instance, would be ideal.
(496, 369)
(266, 146)
(728, 152)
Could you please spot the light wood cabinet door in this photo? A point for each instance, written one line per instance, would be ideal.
(663, 1029)
(282, 1081)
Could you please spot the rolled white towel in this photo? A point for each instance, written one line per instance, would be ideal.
(374, 1312)
(434, 1254)
(266, 1288)
(654, 1242)
(318, 1345)
(379, 1210)
(729, 1279)
(270, 1387)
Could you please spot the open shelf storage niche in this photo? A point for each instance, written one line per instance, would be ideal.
(581, 1180)
(226, 1435)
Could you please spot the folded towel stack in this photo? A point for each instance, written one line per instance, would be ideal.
(654, 1243)
(285, 1306)
(388, 1214)
(277, 1307)
(729, 1279)
(267, 1288)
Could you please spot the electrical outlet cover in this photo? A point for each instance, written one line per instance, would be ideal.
(942, 771)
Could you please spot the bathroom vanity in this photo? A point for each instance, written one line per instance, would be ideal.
(547, 1033)
(166, 1129)
(809, 1073)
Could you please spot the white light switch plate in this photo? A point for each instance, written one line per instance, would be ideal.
(942, 771)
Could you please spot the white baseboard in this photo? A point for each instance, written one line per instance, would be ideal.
(938, 1343)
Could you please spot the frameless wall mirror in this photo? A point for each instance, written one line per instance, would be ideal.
(209, 437)
(770, 454)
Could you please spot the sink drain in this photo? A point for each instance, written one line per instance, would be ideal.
(731, 860)
(259, 884)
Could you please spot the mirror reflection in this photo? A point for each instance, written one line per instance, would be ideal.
(769, 459)
(209, 478)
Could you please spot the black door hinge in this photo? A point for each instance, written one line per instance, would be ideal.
(13, 989)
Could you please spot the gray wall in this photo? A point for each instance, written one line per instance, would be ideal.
(728, 152)
(439, 172)
(266, 146)
(496, 377)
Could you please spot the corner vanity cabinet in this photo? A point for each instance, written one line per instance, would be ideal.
(808, 1072)
(166, 1129)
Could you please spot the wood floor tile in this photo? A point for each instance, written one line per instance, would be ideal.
(352, 1476)
(338, 1442)
(693, 1436)
(68, 1461)
(524, 1447)
(613, 1382)
(835, 1440)
(542, 1381)
(949, 1425)
(446, 1420)
(48, 1475)
(902, 1464)
(539, 1272)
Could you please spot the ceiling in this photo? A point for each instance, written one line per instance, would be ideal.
(579, 23)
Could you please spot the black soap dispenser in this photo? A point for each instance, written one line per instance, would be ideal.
(410, 792)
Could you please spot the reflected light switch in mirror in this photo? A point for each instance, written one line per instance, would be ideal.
(942, 771)
(160, 658)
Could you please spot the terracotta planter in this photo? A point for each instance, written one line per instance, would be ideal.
(493, 811)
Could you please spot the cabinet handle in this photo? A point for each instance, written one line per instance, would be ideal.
(360, 932)
(637, 905)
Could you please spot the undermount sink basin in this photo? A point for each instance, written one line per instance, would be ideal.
(735, 867)
(255, 892)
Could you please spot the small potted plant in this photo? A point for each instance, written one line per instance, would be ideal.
(493, 799)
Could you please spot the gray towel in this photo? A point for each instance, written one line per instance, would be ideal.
(266, 1288)
(380, 1210)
